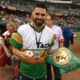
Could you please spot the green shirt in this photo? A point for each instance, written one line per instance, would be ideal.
(33, 70)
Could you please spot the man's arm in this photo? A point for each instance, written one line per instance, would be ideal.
(60, 43)
(19, 53)
(61, 39)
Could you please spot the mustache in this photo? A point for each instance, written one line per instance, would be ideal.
(39, 20)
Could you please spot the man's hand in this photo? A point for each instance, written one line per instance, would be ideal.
(23, 55)
(26, 55)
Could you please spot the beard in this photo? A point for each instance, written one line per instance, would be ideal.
(39, 22)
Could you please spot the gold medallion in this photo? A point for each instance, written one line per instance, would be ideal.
(61, 56)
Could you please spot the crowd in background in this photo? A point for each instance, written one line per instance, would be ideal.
(58, 20)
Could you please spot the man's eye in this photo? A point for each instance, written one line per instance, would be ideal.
(39, 14)
(42, 14)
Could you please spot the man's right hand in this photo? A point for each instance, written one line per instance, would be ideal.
(23, 55)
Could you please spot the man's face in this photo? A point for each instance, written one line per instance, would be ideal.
(39, 16)
(49, 21)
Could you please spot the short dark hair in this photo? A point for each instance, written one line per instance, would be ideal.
(41, 5)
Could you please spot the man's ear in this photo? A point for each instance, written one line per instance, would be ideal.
(32, 14)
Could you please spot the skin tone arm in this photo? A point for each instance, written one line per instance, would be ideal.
(60, 44)
(19, 53)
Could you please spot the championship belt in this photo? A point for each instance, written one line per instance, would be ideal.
(64, 59)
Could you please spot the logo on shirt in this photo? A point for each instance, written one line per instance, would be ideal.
(41, 45)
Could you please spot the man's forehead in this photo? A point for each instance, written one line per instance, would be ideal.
(40, 10)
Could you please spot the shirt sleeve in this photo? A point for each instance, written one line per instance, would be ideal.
(16, 40)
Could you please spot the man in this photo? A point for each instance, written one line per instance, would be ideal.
(31, 44)
(57, 32)
(17, 23)
(27, 19)
(58, 42)
(68, 35)
(2, 25)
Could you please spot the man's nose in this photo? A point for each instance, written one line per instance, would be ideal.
(40, 16)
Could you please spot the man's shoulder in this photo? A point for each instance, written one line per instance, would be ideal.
(57, 27)
(24, 25)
